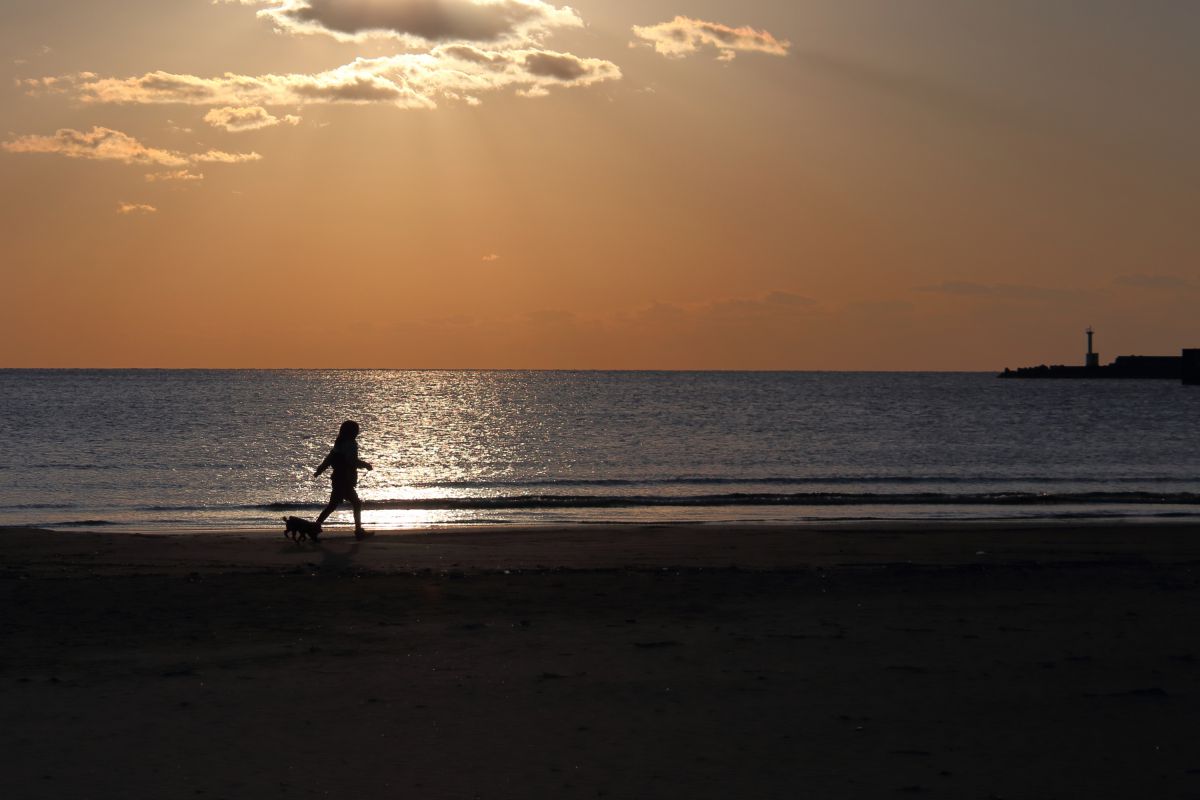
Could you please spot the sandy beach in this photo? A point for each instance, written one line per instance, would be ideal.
(941, 660)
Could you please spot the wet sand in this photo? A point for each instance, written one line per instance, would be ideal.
(985, 660)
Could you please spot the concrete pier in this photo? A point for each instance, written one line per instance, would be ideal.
(1191, 367)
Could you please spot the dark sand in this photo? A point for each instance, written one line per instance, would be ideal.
(629, 662)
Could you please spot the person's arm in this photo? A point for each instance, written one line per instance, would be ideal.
(324, 465)
(363, 465)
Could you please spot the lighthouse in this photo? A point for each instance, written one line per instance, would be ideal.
(1093, 358)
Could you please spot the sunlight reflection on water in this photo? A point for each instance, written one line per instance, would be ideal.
(231, 448)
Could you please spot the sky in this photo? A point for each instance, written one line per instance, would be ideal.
(615, 184)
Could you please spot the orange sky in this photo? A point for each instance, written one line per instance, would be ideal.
(834, 184)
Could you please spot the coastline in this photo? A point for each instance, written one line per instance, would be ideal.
(481, 549)
(852, 660)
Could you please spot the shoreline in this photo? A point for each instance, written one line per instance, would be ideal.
(387, 520)
(820, 525)
(605, 546)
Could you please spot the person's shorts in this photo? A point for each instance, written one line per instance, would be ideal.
(344, 491)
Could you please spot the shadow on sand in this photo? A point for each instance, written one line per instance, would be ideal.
(335, 557)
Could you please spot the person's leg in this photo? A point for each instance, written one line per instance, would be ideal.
(335, 499)
(357, 504)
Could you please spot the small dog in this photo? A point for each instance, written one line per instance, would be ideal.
(298, 529)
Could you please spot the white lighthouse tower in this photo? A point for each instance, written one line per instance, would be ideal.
(1093, 358)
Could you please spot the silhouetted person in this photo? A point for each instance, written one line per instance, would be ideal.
(344, 460)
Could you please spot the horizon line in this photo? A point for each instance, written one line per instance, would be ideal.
(490, 369)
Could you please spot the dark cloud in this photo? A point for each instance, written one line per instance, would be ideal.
(357, 90)
(405, 80)
(431, 21)
(467, 53)
(561, 66)
(177, 85)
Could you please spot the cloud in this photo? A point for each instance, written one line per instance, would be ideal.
(235, 119)
(684, 36)
(407, 80)
(180, 175)
(105, 144)
(559, 66)
(100, 144)
(221, 157)
(135, 208)
(420, 23)
(1000, 290)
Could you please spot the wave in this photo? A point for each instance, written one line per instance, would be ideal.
(66, 466)
(811, 480)
(553, 501)
(585, 501)
(678, 480)
(36, 506)
(80, 467)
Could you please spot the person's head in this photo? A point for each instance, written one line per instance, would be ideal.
(349, 430)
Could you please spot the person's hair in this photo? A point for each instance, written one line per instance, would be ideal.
(349, 430)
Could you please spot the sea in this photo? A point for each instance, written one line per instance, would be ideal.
(219, 451)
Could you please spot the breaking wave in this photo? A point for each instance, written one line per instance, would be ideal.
(553, 501)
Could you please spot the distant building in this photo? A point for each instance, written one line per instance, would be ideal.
(1093, 358)
(1185, 367)
(1191, 367)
